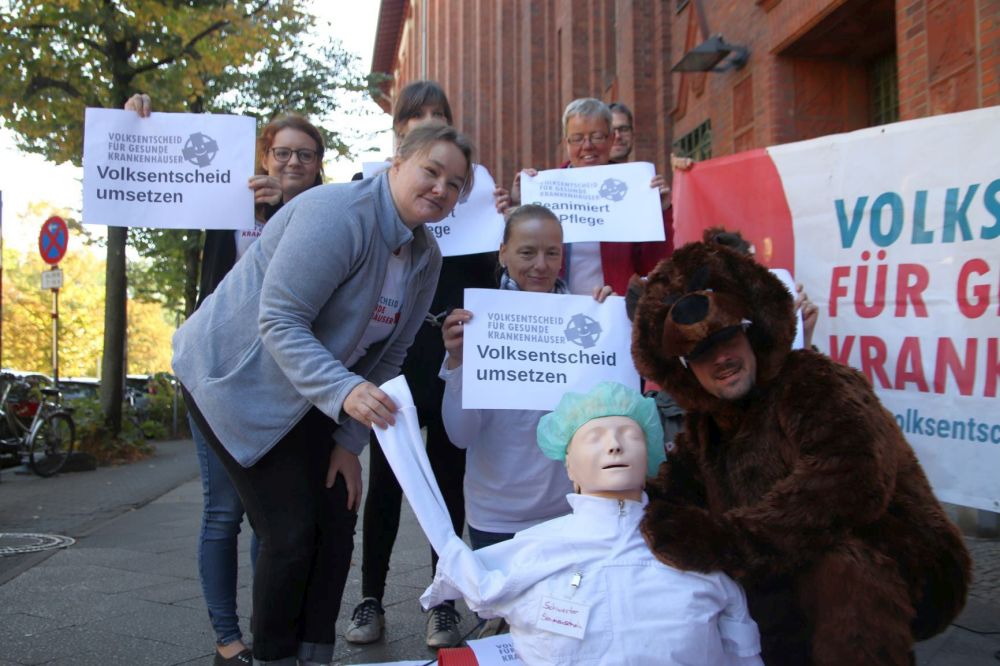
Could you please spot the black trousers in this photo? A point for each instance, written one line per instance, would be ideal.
(384, 500)
(306, 535)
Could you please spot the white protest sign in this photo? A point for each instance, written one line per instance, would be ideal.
(474, 225)
(170, 170)
(495, 651)
(524, 350)
(612, 203)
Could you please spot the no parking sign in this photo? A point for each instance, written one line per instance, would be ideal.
(53, 239)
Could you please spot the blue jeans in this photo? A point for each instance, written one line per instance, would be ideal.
(217, 546)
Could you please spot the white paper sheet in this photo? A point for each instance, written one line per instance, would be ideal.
(170, 170)
(524, 350)
(612, 203)
(495, 651)
(404, 450)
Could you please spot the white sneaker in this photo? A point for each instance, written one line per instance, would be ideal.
(442, 627)
(367, 622)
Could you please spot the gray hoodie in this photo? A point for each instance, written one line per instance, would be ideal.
(269, 342)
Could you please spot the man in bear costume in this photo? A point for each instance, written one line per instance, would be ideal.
(790, 476)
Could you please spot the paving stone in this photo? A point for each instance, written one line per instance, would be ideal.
(90, 646)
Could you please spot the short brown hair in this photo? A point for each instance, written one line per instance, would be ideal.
(426, 135)
(289, 121)
(414, 97)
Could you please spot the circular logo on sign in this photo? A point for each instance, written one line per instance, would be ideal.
(200, 149)
(613, 189)
(583, 331)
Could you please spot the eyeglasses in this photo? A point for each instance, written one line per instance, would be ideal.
(621, 129)
(596, 138)
(305, 155)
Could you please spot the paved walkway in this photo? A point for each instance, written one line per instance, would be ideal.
(127, 592)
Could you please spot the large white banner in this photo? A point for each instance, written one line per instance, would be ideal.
(895, 233)
(524, 350)
(170, 170)
(612, 203)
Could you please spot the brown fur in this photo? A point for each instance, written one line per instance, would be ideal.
(806, 491)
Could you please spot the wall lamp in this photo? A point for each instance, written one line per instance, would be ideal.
(706, 56)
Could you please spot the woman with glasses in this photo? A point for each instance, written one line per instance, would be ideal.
(289, 161)
(590, 265)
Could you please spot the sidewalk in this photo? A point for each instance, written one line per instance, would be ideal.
(127, 592)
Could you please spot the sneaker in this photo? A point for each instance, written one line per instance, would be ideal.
(367, 622)
(442, 627)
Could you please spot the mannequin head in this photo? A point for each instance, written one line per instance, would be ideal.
(611, 439)
(607, 457)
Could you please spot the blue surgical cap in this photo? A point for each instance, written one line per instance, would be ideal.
(557, 428)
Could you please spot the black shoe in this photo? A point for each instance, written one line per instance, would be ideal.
(241, 659)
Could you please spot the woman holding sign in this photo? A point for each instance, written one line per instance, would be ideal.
(509, 484)
(289, 161)
(317, 313)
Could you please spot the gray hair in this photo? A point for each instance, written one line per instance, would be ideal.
(587, 107)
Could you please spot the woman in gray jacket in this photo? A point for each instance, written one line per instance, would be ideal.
(318, 312)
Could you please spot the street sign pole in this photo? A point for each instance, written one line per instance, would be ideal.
(52, 242)
(55, 335)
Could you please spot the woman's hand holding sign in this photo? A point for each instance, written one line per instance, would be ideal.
(453, 331)
(141, 104)
(266, 189)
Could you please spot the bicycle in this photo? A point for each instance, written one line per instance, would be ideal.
(47, 440)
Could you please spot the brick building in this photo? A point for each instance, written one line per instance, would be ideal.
(815, 67)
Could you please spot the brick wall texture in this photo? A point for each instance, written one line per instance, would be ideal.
(510, 66)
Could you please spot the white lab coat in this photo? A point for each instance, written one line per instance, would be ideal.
(641, 611)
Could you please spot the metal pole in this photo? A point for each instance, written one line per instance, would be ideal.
(702, 21)
(174, 383)
(55, 335)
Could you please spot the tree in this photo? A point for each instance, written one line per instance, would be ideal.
(56, 59)
(312, 79)
(27, 319)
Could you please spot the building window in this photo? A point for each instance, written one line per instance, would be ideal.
(696, 144)
(883, 82)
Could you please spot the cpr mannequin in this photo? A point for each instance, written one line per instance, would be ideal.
(584, 588)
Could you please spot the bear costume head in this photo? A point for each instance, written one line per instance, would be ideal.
(704, 293)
